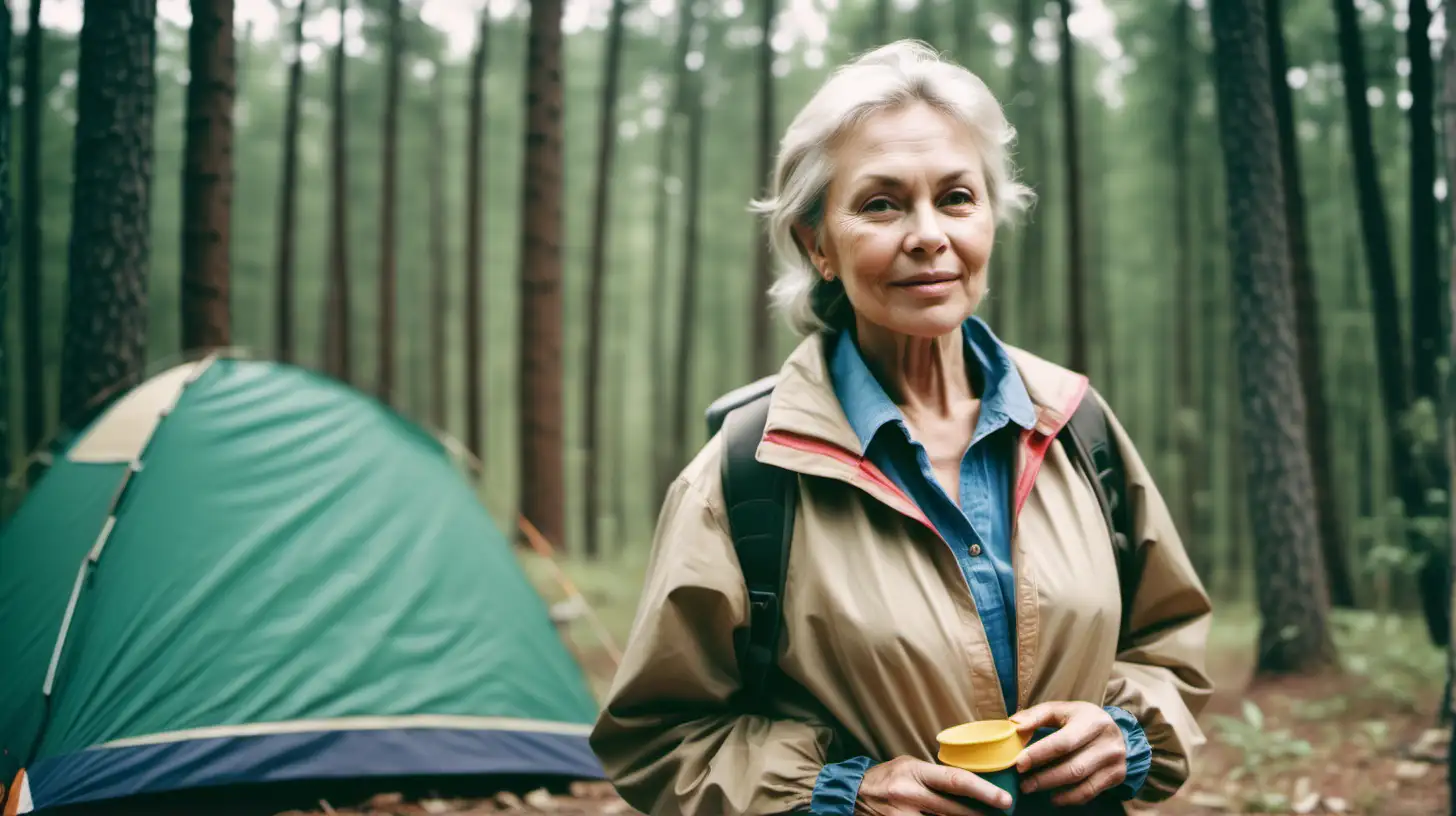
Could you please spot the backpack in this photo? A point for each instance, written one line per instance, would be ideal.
(761, 500)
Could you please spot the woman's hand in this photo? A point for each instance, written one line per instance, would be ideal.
(911, 787)
(1085, 757)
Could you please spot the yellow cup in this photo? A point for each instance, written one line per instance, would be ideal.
(988, 748)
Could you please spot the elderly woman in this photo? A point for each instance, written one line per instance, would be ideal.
(949, 563)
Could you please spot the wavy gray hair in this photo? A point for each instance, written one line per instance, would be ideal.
(883, 79)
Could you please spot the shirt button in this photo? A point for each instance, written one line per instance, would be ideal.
(975, 549)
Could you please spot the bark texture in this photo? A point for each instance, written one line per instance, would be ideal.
(474, 243)
(338, 343)
(1292, 595)
(33, 386)
(207, 188)
(105, 341)
(388, 222)
(542, 490)
(288, 197)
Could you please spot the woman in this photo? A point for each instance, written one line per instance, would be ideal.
(949, 563)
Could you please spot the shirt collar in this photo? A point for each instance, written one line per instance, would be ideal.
(869, 408)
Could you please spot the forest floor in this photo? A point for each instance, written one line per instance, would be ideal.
(1357, 741)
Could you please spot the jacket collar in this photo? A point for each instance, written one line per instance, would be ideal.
(804, 403)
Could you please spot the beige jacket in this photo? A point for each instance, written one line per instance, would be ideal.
(881, 639)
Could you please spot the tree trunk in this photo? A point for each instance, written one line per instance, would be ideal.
(440, 265)
(1411, 480)
(665, 464)
(596, 311)
(1293, 597)
(1187, 439)
(761, 341)
(207, 186)
(1077, 338)
(1427, 323)
(388, 223)
(6, 232)
(687, 308)
(337, 336)
(288, 196)
(1031, 123)
(105, 345)
(33, 387)
(475, 144)
(542, 500)
(1307, 315)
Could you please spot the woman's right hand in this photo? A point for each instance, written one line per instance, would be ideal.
(910, 787)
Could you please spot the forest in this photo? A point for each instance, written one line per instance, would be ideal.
(526, 227)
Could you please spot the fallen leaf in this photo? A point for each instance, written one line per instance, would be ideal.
(323, 803)
(1213, 801)
(1432, 745)
(540, 799)
(435, 806)
(1335, 804)
(1307, 804)
(508, 801)
(384, 801)
(1405, 769)
(614, 808)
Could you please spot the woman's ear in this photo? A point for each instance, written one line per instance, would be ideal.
(808, 240)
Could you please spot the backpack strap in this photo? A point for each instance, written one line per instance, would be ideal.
(760, 501)
(1089, 441)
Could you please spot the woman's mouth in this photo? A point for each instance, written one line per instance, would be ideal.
(929, 284)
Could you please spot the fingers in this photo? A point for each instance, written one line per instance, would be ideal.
(1042, 715)
(1073, 737)
(1079, 767)
(1091, 787)
(956, 782)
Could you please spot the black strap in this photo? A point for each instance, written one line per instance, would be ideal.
(1089, 441)
(761, 500)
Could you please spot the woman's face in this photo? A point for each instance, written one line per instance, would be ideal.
(907, 225)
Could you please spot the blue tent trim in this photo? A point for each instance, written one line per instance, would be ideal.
(110, 773)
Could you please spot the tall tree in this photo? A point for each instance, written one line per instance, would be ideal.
(596, 310)
(388, 222)
(761, 345)
(1028, 88)
(33, 388)
(665, 460)
(692, 234)
(439, 263)
(105, 343)
(337, 336)
(1077, 337)
(288, 195)
(6, 218)
(1180, 127)
(207, 181)
(1307, 320)
(1411, 476)
(1293, 598)
(1427, 323)
(474, 240)
(542, 499)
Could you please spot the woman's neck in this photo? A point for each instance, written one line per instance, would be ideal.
(922, 375)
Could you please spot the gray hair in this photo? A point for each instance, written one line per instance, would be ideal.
(883, 79)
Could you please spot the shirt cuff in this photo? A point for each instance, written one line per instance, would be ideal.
(1139, 753)
(838, 787)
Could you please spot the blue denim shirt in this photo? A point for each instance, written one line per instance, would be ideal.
(980, 524)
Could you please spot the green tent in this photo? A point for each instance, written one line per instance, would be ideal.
(244, 571)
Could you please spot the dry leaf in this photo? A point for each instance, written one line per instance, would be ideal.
(323, 803)
(1306, 804)
(1432, 745)
(508, 800)
(1405, 769)
(540, 799)
(1335, 804)
(385, 801)
(1213, 801)
(435, 805)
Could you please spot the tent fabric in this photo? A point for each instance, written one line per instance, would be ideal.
(289, 550)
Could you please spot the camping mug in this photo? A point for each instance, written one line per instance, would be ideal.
(987, 748)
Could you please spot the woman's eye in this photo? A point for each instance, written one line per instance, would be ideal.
(876, 205)
(959, 198)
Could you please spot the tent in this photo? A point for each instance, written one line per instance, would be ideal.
(246, 572)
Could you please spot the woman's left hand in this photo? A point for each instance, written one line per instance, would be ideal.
(1085, 757)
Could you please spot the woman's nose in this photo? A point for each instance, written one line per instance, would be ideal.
(926, 232)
